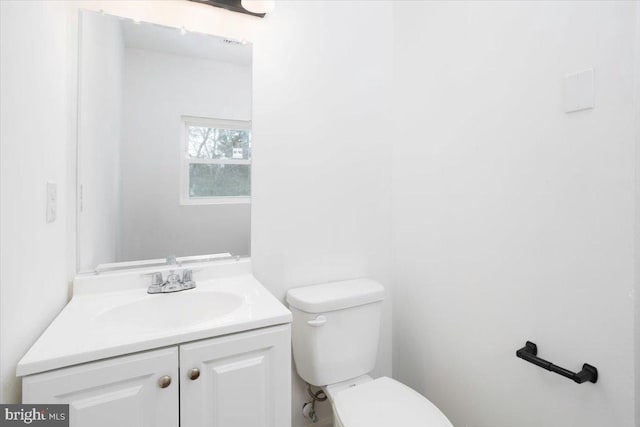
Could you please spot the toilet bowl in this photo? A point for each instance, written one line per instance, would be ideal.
(335, 334)
(383, 402)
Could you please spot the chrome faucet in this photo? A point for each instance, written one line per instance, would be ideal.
(173, 282)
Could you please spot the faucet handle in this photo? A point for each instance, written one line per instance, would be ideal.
(156, 279)
(187, 279)
(187, 276)
(156, 283)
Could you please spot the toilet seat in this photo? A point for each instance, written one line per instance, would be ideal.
(386, 402)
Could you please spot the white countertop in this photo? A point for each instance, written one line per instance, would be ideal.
(89, 329)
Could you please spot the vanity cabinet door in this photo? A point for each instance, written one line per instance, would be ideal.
(242, 380)
(127, 391)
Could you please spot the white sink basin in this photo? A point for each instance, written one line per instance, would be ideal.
(111, 315)
(171, 311)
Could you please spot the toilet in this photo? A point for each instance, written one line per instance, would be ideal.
(335, 334)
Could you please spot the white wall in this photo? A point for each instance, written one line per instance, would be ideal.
(37, 134)
(512, 220)
(159, 89)
(99, 124)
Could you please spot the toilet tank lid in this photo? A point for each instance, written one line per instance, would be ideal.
(335, 295)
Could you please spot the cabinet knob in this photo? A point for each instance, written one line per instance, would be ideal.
(194, 374)
(164, 381)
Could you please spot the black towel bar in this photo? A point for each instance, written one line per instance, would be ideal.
(529, 353)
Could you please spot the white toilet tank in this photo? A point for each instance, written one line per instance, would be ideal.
(335, 329)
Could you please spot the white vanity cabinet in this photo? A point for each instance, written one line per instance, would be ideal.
(237, 380)
(240, 380)
(122, 391)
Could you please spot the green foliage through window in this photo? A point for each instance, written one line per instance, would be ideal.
(219, 180)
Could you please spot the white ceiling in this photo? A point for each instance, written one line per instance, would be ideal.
(175, 41)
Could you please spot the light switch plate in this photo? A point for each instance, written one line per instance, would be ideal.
(579, 91)
(52, 200)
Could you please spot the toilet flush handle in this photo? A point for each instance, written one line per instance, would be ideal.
(318, 321)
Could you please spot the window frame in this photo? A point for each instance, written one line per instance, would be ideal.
(185, 160)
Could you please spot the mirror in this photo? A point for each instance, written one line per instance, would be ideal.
(164, 143)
